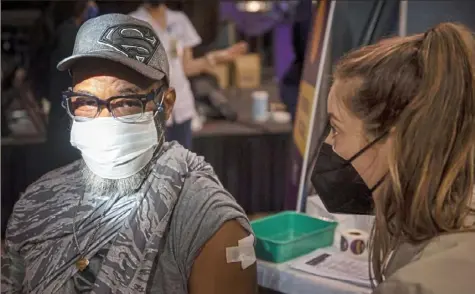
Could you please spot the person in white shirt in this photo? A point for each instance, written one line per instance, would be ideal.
(178, 36)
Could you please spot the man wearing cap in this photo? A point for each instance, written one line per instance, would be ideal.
(136, 214)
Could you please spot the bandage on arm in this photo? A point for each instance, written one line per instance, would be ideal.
(243, 253)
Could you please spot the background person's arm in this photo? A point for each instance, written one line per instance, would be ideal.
(211, 274)
(195, 66)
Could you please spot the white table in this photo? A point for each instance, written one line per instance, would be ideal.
(282, 278)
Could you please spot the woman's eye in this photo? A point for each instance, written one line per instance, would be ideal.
(333, 130)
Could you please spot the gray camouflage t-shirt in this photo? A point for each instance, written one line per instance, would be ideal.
(200, 211)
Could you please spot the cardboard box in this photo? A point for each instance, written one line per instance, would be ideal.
(221, 72)
(247, 71)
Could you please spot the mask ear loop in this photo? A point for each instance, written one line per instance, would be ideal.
(348, 162)
(161, 125)
(367, 147)
(378, 183)
(157, 149)
(160, 119)
(160, 108)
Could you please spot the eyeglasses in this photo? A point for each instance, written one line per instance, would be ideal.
(126, 108)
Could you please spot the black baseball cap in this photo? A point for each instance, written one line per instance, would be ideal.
(123, 39)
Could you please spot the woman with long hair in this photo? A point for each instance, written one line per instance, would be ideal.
(409, 104)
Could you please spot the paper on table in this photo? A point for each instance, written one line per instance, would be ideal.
(331, 263)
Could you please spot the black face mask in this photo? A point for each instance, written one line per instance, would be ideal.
(339, 185)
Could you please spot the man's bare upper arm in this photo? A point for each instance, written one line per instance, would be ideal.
(211, 274)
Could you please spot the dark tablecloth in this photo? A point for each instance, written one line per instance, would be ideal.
(252, 168)
(251, 159)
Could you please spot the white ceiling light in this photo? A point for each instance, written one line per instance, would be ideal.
(254, 6)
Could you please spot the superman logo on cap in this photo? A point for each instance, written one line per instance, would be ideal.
(136, 42)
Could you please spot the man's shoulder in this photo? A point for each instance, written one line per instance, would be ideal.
(202, 209)
(205, 202)
(36, 206)
(199, 176)
(176, 157)
(201, 185)
(55, 179)
(173, 150)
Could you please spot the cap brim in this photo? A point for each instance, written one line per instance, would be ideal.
(136, 65)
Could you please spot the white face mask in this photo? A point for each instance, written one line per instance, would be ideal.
(113, 149)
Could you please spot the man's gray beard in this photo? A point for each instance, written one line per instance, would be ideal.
(122, 187)
(127, 186)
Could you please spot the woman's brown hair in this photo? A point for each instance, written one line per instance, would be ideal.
(421, 89)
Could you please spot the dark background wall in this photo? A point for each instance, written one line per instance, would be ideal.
(425, 14)
(422, 14)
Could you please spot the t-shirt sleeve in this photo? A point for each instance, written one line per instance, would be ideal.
(201, 210)
(189, 36)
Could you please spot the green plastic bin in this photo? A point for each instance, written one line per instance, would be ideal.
(287, 235)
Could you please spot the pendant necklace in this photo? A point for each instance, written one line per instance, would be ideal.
(82, 262)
